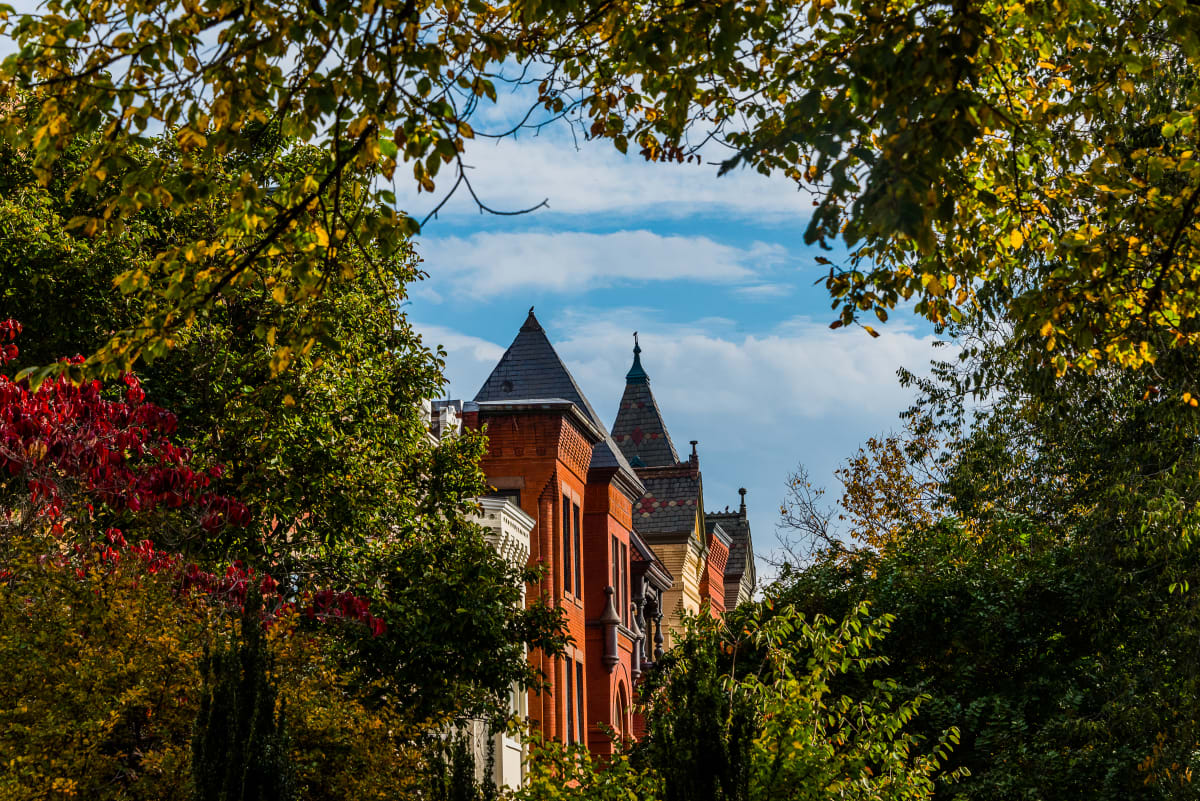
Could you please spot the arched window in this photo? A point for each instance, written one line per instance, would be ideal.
(623, 724)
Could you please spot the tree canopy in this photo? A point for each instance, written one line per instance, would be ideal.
(1044, 582)
(334, 479)
(1037, 156)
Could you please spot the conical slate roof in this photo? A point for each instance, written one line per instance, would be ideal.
(531, 370)
(639, 430)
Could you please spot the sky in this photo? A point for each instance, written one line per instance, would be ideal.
(714, 275)
(712, 272)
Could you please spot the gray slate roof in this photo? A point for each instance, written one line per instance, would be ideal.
(741, 552)
(639, 429)
(531, 369)
(669, 505)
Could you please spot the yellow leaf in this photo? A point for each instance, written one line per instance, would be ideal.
(280, 360)
(189, 139)
(1016, 238)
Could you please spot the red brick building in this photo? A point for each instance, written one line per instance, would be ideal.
(604, 543)
(706, 553)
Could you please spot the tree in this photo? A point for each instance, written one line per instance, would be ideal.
(74, 453)
(331, 458)
(754, 709)
(1042, 152)
(1046, 151)
(1064, 680)
(1049, 611)
(102, 643)
(240, 748)
(104, 650)
(99, 659)
(891, 486)
(370, 86)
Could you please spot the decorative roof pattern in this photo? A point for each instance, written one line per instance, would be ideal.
(531, 369)
(639, 429)
(670, 504)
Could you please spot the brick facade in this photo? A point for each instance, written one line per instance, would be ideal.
(625, 543)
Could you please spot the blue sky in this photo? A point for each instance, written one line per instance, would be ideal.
(713, 273)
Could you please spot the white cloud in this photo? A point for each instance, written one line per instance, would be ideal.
(592, 178)
(763, 291)
(469, 360)
(486, 264)
(799, 369)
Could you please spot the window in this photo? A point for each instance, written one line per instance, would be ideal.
(623, 728)
(616, 572)
(566, 549)
(620, 579)
(624, 591)
(579, 699)
(513, 495)
(578, 551)
(570, 738)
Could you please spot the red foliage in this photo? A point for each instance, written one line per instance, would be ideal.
(116, 451)
(68, 440)
(231, 586)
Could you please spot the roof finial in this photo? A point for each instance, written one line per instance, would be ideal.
(695, 456)
(636, 374)
(742, 492)
(531, 323)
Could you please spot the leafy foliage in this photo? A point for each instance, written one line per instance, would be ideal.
(67, 449)
(454, 769)
(1043, 151)
(1064, 680)
(1050, 610)
(699, 730)
(891, 486)
(99, 661)
(331, 457)
(560, 772)
(119, 632)
(105, 657)
(755, 710)
(373, 85)
(240, 748)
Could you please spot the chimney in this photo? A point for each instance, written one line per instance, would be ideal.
(742, 492)
(695, 458)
